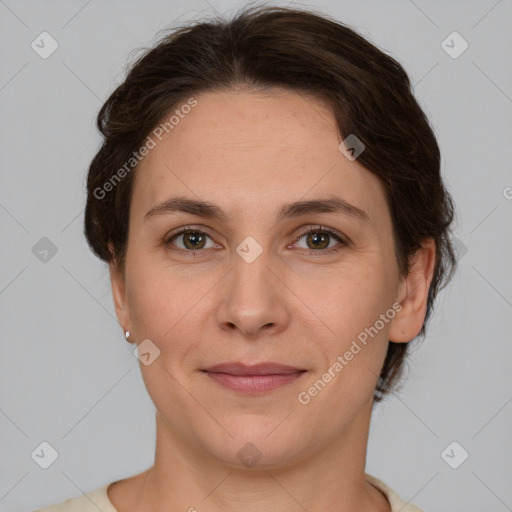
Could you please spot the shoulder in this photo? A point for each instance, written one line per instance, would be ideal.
(397, 504)
(90, 502)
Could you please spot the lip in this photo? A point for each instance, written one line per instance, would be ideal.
(254, 379)
(237, 368)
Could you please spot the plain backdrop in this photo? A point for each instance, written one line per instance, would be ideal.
(67, 376)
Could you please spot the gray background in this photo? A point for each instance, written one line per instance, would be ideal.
(67, 376)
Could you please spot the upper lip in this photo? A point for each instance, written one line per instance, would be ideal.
(237, 368)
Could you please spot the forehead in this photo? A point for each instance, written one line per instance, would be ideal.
(262, 148)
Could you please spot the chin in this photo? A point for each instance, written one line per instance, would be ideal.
(258, 445)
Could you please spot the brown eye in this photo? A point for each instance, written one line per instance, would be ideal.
(319, 240)
(191, 240)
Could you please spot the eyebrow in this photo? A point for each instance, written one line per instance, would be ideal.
(289, 210)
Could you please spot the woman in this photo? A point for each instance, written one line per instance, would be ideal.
(269, 201)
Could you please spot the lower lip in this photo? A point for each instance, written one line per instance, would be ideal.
(253, 384)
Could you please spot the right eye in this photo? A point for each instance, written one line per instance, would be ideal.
(192, 240)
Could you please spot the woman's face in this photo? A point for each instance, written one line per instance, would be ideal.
(256, 284)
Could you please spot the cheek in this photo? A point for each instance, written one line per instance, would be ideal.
(168, 310)
(154, 306)
(354, 354)
(356, 296)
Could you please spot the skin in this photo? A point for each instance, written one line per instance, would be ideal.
(249, 153)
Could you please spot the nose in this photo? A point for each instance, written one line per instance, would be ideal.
(253, 298)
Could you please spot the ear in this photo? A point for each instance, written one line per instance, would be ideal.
(413, 294)
(117, 280)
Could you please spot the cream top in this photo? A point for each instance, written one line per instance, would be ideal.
(98, 500)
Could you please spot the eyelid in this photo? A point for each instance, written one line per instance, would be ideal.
(189, 227)
(318, 228)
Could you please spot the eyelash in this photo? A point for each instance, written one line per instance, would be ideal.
(316, 229)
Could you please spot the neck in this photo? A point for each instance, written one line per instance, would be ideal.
(186, 477)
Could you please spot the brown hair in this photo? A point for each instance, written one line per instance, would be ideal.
(368, 91)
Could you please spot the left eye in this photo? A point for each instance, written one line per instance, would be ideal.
(317, 239)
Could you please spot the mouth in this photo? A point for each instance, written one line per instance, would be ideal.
(255, 379)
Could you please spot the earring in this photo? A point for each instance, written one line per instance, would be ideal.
(127, 335)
